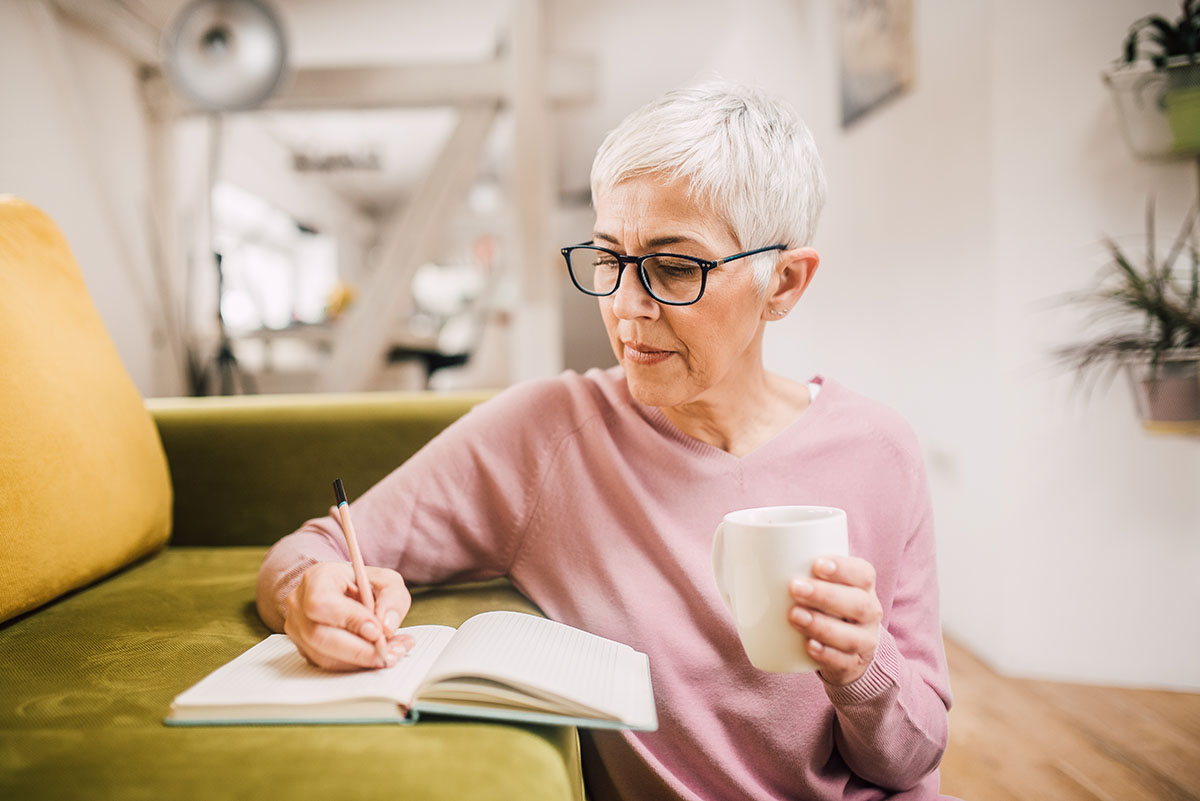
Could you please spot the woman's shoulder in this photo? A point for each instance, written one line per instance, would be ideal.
(852, 414)
(566, 400)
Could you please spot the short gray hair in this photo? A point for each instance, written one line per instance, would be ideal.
(749, 156)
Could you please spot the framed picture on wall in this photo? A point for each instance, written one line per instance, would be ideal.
(876, 38)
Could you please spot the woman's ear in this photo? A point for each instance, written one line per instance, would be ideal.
(793, 273)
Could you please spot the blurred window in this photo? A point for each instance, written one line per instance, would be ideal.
(277, 272)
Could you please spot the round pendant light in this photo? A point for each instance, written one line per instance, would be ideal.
(226, 55)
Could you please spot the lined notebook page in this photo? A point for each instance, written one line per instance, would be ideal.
(274, 672)
(523, 649)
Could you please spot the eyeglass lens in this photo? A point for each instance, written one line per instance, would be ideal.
(672, 279)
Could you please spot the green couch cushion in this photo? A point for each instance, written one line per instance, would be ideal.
(83, 481)
(248, 470)
(88, 680)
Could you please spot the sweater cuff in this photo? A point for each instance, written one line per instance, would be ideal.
(882, 675)
(288, 582)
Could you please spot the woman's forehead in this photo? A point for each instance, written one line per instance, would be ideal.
(656, 213)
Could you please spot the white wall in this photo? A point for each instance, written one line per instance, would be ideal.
(1067, 536)
(1101, 518)
(73, 143)
(1069, 539)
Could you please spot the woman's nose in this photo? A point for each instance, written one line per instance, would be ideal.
(631, 300)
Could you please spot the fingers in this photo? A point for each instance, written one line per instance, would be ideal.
(836, 666)
(392, 599)
(334, 631)
(332, 606)
(843, 651)
(334, 648)
(839, 612)
(850, 570)
(837, 600)
(833, 633)
(842, 586)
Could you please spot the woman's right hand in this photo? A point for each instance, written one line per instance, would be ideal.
(334, 630)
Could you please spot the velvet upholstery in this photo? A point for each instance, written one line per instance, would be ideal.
(280, 455)
(88, 679)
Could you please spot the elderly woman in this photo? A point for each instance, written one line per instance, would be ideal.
(597, 495)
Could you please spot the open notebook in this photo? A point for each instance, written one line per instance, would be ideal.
(502, 665)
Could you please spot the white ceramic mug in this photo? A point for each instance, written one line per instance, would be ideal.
(756, 554)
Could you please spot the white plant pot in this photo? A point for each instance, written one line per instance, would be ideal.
(1142, 95)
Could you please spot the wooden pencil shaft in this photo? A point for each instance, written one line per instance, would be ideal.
(356, 560)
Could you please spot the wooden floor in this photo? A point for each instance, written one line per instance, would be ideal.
(1021, 740)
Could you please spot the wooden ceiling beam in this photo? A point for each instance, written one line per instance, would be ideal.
(569, 80)
(412, 237)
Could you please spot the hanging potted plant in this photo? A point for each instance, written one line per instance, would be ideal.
(1156, 84)
(1153, 319)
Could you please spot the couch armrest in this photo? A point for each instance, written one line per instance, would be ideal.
(248, 470)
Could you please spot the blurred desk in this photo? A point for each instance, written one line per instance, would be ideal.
(430, 358)
(403, 347)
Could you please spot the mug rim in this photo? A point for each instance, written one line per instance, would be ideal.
(737, 517)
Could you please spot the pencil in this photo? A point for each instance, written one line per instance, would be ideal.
(360, 570)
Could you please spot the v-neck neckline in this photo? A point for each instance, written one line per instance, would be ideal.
(659, 420)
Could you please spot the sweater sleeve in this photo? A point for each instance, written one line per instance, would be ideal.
(891, 723)
(455, 511)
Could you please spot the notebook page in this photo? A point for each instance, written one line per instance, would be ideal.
(274, 672)
(564, 661)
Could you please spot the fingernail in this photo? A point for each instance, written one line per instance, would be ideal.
(816, 646)
(826, 567)
(391, 621)
(802, 587)
(398, 650)
(369, 631)
(391, 659)
(802, 616)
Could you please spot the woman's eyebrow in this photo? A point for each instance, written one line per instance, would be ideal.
(656, 242)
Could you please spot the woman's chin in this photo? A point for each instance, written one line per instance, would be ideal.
(650, 390)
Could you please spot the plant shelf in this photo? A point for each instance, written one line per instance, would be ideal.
(1186, 427)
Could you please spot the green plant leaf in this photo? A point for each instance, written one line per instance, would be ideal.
(1150, 235)
(1131, 274)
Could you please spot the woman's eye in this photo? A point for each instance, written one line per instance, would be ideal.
(677, 268)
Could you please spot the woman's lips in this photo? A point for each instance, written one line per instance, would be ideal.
(638, 353)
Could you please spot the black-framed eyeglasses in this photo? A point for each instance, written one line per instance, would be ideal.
(668, 277)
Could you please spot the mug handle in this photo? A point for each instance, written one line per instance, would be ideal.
(718, 561)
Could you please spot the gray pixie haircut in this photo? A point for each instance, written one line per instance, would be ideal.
(748, 156)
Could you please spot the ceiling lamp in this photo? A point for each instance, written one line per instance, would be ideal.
(226, 55)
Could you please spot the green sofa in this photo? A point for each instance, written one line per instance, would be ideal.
(102, 630)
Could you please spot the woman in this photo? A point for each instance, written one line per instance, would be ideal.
(598, 494)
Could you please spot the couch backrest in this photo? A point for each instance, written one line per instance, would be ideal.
(249, 469)
(84, 487)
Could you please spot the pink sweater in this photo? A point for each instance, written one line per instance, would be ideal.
(602, 512)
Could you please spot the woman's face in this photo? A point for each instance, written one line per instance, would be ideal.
(675, 355)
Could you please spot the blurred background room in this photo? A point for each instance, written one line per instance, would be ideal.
(383, 211)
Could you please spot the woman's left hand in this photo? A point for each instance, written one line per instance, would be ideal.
(839, 612)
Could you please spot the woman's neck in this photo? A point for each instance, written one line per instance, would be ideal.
(745, 416)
